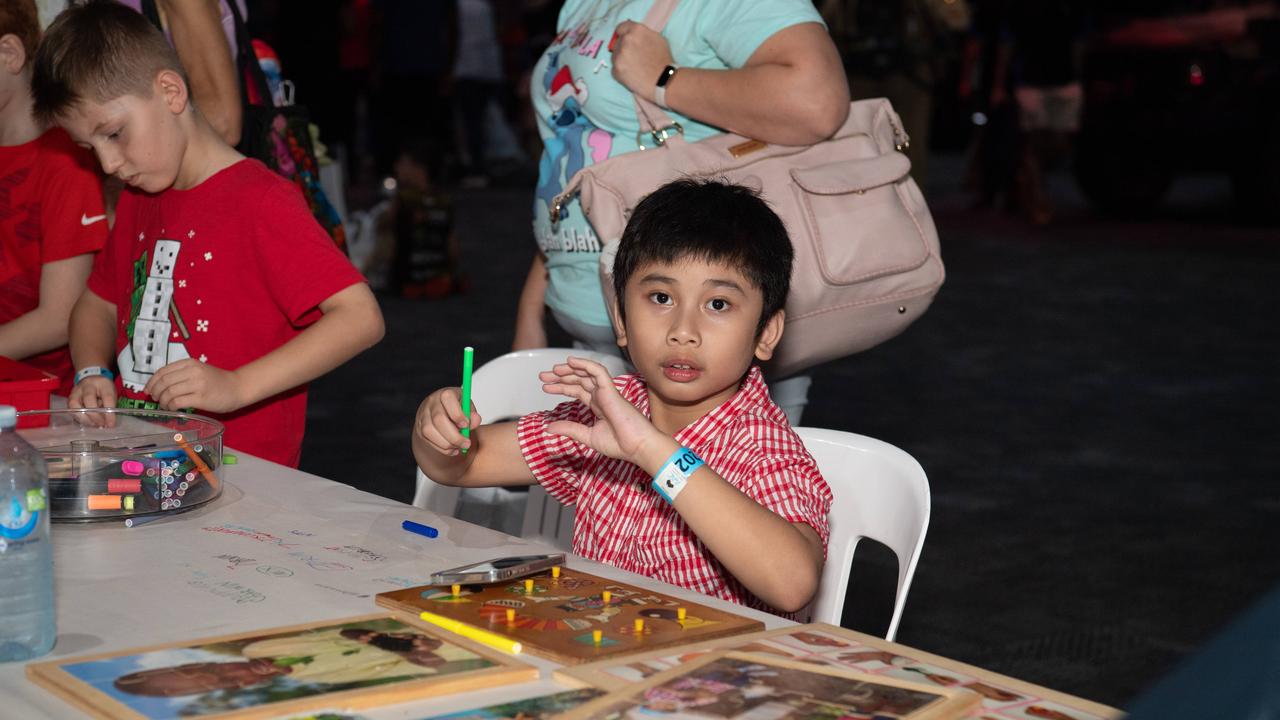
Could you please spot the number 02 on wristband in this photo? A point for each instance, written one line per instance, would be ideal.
(673, 476)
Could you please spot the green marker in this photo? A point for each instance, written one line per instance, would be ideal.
(468, 359)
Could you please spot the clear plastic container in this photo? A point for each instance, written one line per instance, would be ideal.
(115, 464)
(27, 624)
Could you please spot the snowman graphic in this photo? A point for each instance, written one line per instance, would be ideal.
(150, 346)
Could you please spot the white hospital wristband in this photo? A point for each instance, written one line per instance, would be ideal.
(673, 476)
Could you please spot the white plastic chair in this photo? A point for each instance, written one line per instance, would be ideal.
(502, 389)
(880, 492)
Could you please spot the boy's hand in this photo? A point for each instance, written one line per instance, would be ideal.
(94, 391)
(620, 431)
(440, 421)
(192, 384)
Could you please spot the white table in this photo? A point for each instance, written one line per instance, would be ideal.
(280, 547)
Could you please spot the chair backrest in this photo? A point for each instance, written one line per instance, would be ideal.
(880, 492)
(505, 388)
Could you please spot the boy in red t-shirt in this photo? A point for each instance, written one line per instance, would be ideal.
(217, 290)
(685, 471)
(51, 216)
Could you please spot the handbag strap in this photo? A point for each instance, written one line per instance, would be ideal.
(247, 62)
(152, 13)
(653, 119)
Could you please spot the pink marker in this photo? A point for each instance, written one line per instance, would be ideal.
(131, 467)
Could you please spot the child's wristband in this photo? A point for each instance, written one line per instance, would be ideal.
(91, 371)
(673, 476)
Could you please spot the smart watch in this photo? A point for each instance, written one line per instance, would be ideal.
(660, 92)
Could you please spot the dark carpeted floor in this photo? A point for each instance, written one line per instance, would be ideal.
(1094, 403)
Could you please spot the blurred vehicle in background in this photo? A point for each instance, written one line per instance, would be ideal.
(1192, 92)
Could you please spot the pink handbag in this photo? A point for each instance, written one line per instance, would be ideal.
(867, 259)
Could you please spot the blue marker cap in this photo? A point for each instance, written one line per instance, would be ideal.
(419, 528)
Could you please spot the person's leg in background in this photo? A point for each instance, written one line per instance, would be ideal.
(473, 100)
(1034, 122)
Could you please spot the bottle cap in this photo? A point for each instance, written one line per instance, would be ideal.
(8, 416)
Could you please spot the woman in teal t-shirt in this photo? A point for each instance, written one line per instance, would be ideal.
(765, 69)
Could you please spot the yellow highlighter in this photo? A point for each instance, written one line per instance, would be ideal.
(471, 632)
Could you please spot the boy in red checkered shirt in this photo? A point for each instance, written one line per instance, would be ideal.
(685, 471)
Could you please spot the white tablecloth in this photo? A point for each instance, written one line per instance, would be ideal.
(279, 547)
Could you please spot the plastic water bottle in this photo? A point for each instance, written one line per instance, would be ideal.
(26, 558)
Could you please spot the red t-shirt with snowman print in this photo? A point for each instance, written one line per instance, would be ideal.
(224, 273)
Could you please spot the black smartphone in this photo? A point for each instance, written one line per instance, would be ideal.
(496, 570)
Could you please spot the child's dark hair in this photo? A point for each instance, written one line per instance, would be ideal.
(20, 19)
(713, 221)
(99, 51)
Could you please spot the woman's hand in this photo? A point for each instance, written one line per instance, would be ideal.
(639, 56)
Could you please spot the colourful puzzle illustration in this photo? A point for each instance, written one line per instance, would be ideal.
(1003, 698)
(574, 617)
(354, 662)
(746, 686)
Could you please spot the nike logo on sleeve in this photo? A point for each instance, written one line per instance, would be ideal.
(86, 220)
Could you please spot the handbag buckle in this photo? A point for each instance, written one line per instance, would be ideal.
(659, 135)
(901, 141)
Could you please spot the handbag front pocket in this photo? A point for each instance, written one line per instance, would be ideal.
(856, 220)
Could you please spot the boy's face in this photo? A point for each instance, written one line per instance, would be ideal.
(691, 330)
(137, 139)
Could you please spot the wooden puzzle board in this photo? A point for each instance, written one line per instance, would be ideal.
(1003, 698)
(750, 685)
(349, 677)
(557, 619)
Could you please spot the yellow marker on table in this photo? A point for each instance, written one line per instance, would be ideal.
(528, 587)
(511, 615)
(457, 589)
(681, 614)
(604, 597)
(639, 625)
(483, 637)
(555, 571)
(597, 637)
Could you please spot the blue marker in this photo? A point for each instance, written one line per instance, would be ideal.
(142, 520)
(419, 528)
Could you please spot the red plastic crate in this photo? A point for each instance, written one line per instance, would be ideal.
(26, 388)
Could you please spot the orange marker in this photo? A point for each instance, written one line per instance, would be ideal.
(639, 625)
(104, 502)
(528, 587)
(597, 637)
(195, 459)
(604, 597)
(511, 616)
